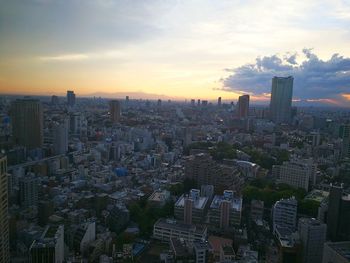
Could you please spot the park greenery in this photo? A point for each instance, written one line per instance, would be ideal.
(264, 190)
(224, 150)
(146, 215)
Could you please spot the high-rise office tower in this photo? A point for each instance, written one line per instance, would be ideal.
(219, 101)
(114, 109)
(4, 225)
(60, 137)
(28, 190)
(27, 123)
(49, 248)
(281, 99)
(338, 215)
(345, 135)
(243, 106)
(312, 235)
(70, 98)
(193, 102)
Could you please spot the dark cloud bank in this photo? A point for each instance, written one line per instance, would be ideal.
(313, 78)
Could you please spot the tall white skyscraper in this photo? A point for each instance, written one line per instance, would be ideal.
(281, 99)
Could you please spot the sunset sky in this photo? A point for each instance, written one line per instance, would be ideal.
(182, 49)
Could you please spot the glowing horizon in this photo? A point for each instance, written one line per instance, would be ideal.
(180, 49)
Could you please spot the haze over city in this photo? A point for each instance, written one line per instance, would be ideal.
(174, 131)
(177, 49)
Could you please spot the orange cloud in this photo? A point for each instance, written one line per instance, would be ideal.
(346, 96)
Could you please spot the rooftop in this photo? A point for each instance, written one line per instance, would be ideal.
(170, 223)
(236, 203)
(342, 248)
(198, 204)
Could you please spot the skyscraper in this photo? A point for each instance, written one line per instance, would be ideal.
(27, 123)
(338, 215)
(49, 248)
(114, 109)
(219, 101)
(70, 98)
(60, 137)
(4, 227)
(243, 106)
(345, 135)
(28, 190)
(281, 99)
(312, 235)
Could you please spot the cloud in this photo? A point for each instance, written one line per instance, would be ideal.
(67, 57)
(314, 79)
(108, 54)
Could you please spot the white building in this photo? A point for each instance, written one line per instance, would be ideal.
(296, 173)
(284, 214)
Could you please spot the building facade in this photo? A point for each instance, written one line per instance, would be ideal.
(164, 229)
(115, 110)
(4, 224)
(336, 252)
(70, 98)
(312, 235)
(243, 106)
(284, 214)
(27, 123)
(281, 99)
(225, 210)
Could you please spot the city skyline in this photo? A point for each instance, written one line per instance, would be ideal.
(176, 50)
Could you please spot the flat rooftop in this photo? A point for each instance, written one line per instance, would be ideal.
(159, 196)
(198, 204)
(236, 203)
(342, 248)
(317, 195)
(173, 224)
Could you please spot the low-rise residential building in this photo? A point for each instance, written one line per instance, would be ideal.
(164, 229)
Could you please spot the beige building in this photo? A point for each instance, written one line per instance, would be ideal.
(298, 174)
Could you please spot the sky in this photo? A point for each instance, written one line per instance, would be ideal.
(179, 49)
